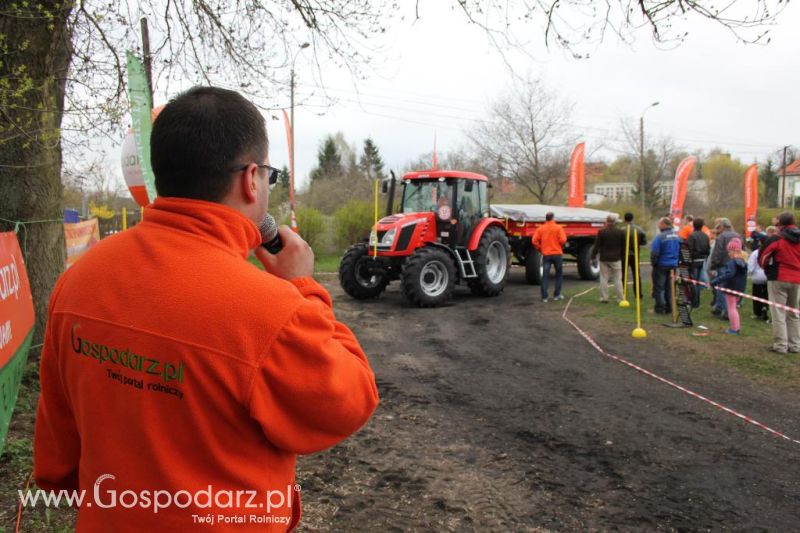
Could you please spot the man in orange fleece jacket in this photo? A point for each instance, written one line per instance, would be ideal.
(179, 381)
(549, 239)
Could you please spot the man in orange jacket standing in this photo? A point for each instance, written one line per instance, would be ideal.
(549, 239)
(179, 381)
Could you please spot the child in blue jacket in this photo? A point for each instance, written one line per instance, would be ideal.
(733, 276)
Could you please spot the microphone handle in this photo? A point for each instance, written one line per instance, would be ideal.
(273, 246)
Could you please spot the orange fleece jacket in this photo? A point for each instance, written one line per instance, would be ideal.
(550, 238)
(173, 364)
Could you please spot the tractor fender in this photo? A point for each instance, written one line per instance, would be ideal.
(447, 249)
(477, 233)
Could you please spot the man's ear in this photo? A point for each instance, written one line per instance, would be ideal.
(247, 182)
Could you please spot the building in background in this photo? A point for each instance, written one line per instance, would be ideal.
(696, 188)
(792, 190)
(619, 191)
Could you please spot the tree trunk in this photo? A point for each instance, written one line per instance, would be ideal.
(35, 57)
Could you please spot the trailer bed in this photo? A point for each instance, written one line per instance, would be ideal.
(536, 213)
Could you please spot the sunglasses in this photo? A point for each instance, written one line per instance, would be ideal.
(273, 172)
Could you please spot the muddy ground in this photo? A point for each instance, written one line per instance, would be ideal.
(497, 416)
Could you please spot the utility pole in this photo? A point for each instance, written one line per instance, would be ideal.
(291, 138)
(641, 164)
(147, 58)
(641, 159)
(783, 182)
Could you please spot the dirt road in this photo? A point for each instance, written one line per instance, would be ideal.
(497, 416)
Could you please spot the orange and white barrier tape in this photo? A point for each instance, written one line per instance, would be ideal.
(646, 372)
(744, 295)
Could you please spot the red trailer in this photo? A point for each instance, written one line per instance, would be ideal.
(446, 233)
(580, 224)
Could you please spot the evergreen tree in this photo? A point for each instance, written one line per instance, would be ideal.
(283, 177)
(371, 164)
(771, 180)
(329, 161)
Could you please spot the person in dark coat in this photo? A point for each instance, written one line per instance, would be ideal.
(719, 256)
(610, 246)
(699, 248)
(637, 234)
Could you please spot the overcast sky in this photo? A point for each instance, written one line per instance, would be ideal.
(439, 74)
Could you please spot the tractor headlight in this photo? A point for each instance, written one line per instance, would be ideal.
(386, 240)
(388, 237)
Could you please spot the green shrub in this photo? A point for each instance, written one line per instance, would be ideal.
(353, 222)
(310, 226)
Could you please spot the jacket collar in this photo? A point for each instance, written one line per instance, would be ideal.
(219, 224)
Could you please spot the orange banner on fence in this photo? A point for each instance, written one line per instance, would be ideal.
(16, 303)
(679, 188)
(576, 176)
(750, 199)
(80, 237)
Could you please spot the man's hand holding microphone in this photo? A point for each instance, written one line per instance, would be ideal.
(283, 252)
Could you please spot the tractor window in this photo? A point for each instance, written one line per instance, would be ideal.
(484, 199)
(469, 208)
(420, 196)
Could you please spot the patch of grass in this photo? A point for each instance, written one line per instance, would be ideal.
(759, 366)
(326, 263)
(18, 453)
(322, 263)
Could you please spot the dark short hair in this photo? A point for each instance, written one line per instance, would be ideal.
(786, 219)
(628, 217)
(200, 137)
(549, 216)
(698, 224)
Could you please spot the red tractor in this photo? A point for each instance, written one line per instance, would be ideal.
(443, 235)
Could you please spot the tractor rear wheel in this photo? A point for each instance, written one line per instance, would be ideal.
(533, 266)
(428, 277)
(588, 269)
(355, 276)
(491, 261)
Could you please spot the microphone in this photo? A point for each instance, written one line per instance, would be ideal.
(270, 239)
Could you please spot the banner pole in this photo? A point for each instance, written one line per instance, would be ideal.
(637, 333)
(375, 253)
(624, 302)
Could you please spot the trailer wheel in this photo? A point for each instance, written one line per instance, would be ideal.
(533, 266)
(588, 269)
(428, 277)
(491, 262)
(354, 276)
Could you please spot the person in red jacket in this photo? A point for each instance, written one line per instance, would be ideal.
(549, 240)
(780, 258)
(178, 381)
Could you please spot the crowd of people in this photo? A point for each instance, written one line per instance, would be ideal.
(716, 258)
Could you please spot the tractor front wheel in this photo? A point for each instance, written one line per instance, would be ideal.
(428, 277)
(491, 263)
(358, 276)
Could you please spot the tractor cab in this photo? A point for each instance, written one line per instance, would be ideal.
(458, 201)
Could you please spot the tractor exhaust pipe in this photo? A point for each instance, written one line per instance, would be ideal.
(390, 200)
